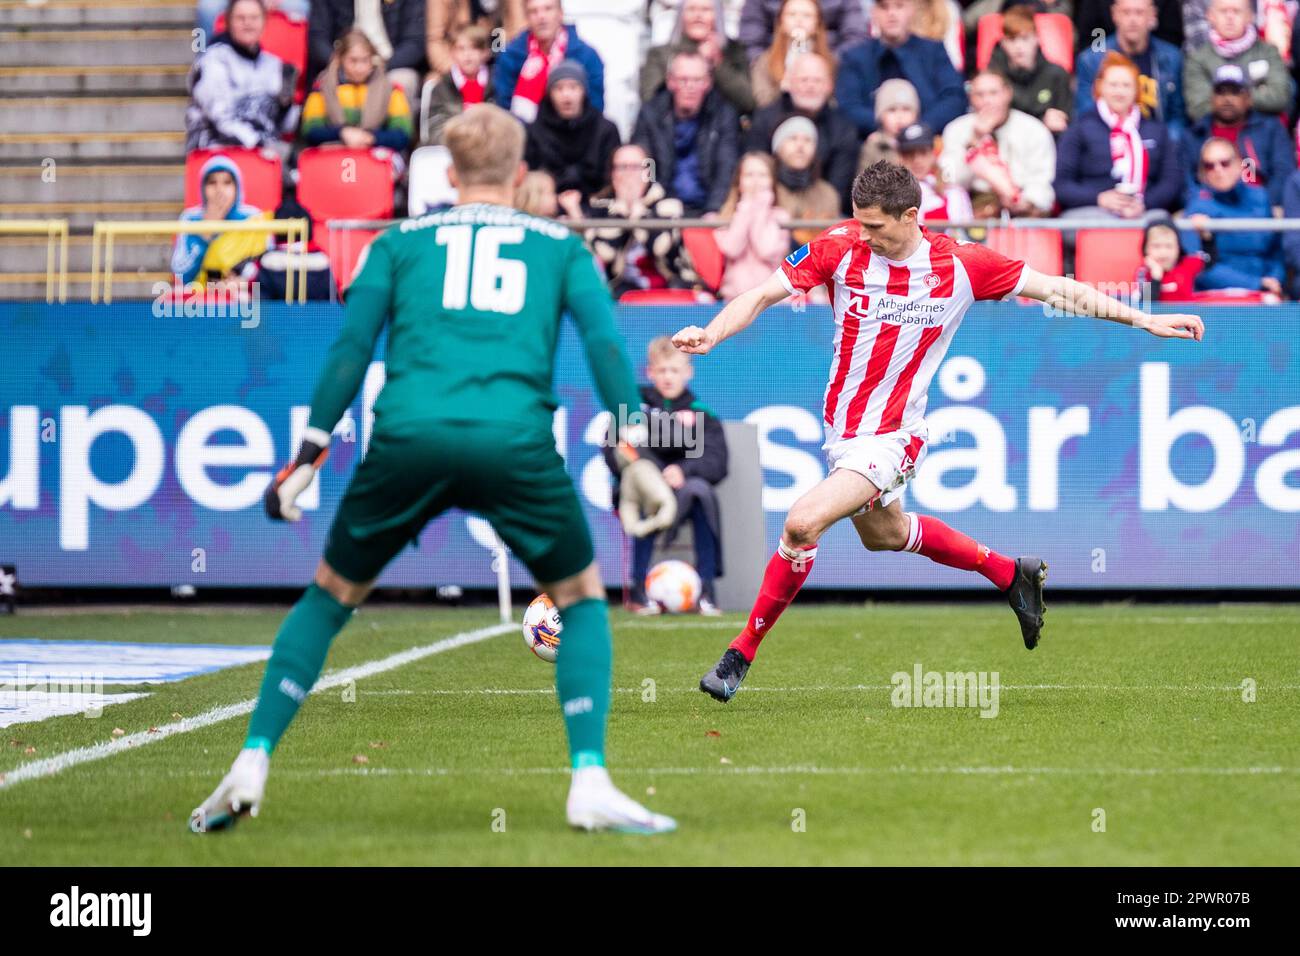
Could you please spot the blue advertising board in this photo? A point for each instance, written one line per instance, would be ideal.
(135, 446)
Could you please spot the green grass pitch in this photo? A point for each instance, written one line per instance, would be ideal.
(1134, 711)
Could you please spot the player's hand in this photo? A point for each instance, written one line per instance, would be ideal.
(674, 475)
(292, 480)
(642, 490)
(694, 340)
(1175, 326)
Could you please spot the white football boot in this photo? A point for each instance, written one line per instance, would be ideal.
(596, 804)
(239, 792)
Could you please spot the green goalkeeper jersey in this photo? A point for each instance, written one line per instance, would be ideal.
(472, 298)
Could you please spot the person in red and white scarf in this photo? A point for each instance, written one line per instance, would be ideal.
(522, 68)
(1113, 161)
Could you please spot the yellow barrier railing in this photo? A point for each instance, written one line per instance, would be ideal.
(56, 233)
(101, 245)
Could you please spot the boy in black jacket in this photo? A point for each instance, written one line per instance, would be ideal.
(689, 443)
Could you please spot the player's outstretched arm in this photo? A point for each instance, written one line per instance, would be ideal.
(345, 369)
(1073, 297)
(735, 317)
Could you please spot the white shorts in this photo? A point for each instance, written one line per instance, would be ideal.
(888, 461)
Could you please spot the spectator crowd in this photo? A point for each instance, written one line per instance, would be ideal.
(761, 112)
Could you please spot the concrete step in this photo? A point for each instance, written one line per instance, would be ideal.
(50, 14)
(92, 114)
(31, 286)
(26, 254)
(88, 147)
(24, 47)
(64, 79)
(82, 184)
(82, 216)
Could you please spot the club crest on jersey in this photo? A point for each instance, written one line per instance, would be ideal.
(932, 280)
(798, 256)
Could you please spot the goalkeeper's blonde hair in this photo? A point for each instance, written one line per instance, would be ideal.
(486, 144)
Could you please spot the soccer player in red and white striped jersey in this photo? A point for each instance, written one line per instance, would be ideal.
(898, 292)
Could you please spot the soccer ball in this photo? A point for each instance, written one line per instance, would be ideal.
(674, 586)
(542, 628)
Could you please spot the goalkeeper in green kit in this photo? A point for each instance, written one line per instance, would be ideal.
(472, 298)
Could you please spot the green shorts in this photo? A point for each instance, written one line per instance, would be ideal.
(512, 478)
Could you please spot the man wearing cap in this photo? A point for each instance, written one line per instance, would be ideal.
(520, 73)
(1159, 63)
(1268, 157)
(1004, 158)
(809, 85)
(1235, 39)
(940, 199)
(570, 139)
(692, 135)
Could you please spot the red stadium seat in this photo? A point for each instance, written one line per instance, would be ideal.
(260, 171)
(286, 37)
(339, 183)
(663, 297)
(1224, 297)
(702, 247)
(1055, 38)
(1039, 248)
(1107, 255)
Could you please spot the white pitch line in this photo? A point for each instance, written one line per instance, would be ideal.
(50, 766)
(823, 688)
(805, 771)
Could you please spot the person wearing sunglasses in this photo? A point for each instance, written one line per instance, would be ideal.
(1266, 149)
(1241, 260)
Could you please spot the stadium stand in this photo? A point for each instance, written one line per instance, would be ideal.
(92, 127)
(92, 116)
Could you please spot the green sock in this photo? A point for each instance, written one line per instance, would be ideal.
(582, 678)
(296, 661)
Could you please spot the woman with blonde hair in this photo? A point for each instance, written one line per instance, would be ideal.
(799, 29)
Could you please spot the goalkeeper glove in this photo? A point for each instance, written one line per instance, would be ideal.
(642, 490)
(295, 477)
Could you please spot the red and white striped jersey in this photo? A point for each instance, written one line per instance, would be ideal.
(893, 320)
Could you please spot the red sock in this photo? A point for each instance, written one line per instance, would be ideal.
(944, 545)
(785, 575)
